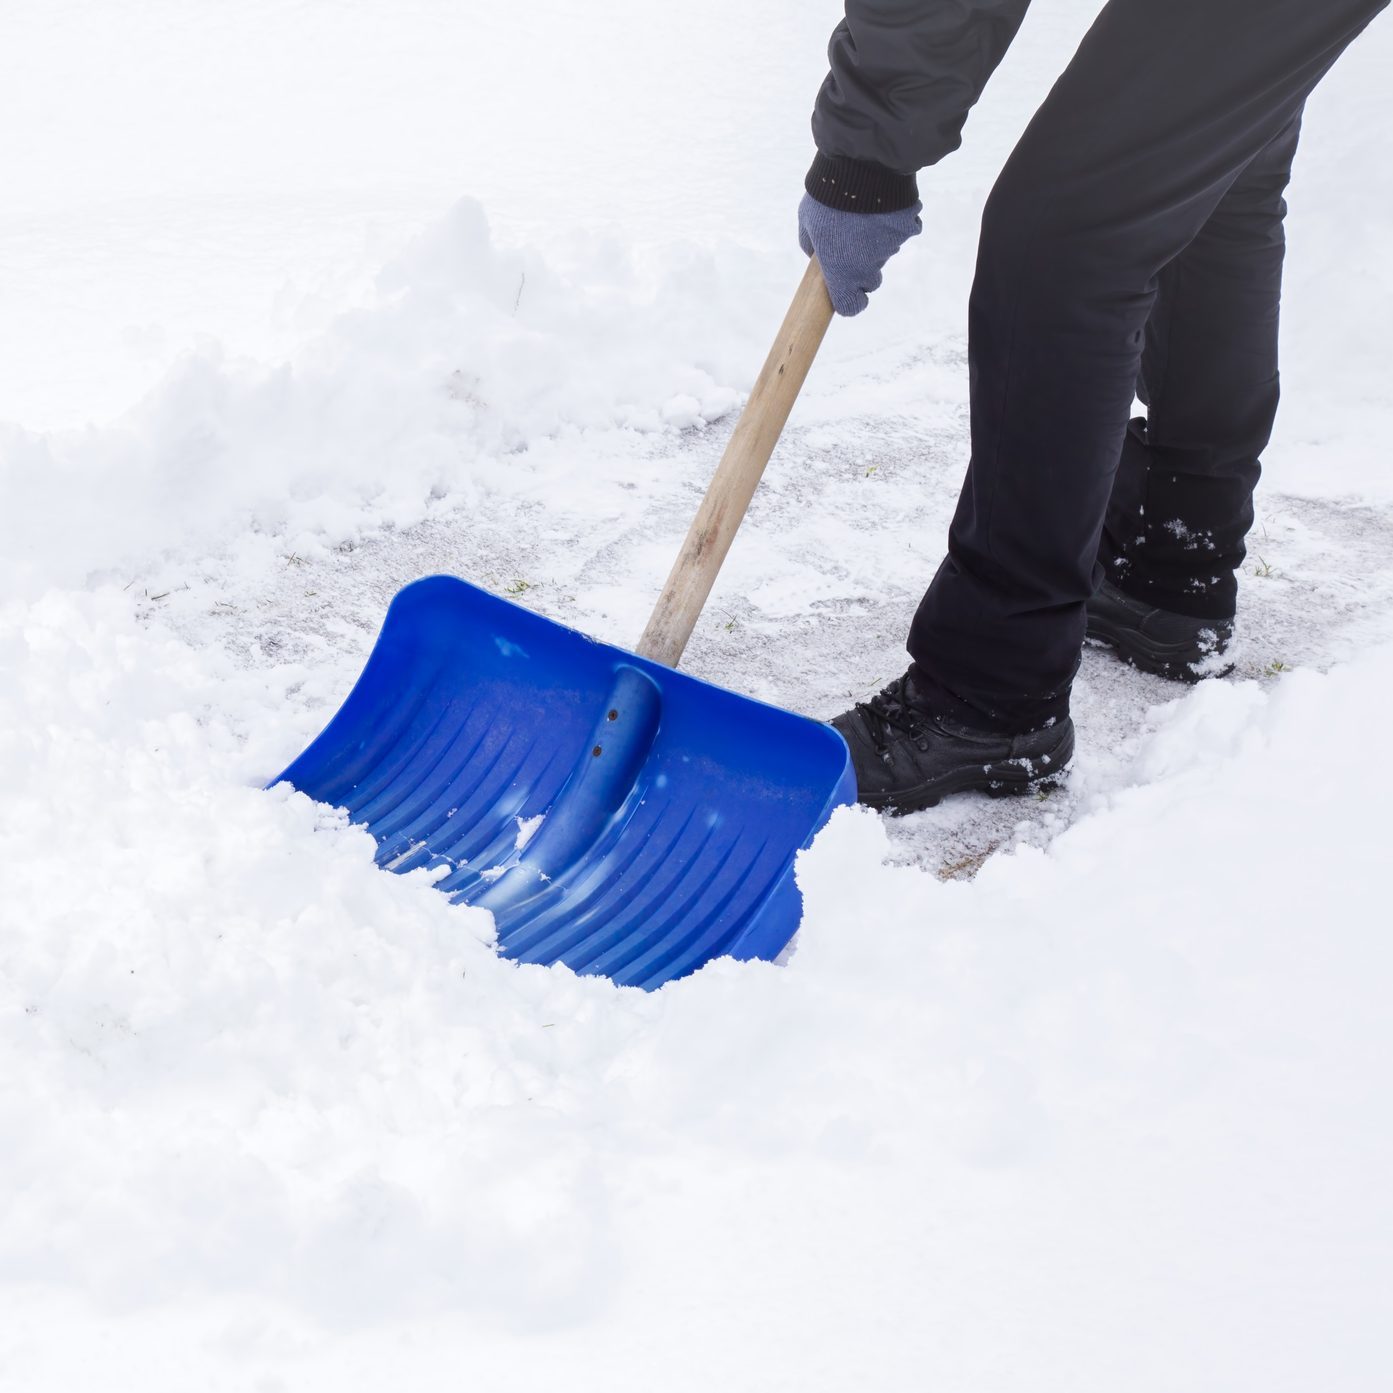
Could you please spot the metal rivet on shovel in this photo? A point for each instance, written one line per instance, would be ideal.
(670, 809)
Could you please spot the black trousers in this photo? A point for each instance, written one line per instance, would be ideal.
(1131, 247)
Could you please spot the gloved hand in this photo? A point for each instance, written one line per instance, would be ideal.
(852, 248)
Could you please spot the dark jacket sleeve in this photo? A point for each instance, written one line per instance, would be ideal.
(905, 73)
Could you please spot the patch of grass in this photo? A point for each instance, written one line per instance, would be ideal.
(1275, 668)
(965, 867)
(518, 587)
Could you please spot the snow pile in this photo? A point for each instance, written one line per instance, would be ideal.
(410, 405)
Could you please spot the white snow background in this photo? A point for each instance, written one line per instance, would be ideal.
(300, 301)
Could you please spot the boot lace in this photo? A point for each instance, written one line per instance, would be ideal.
(889, 711)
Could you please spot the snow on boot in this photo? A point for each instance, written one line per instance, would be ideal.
(1155, 640)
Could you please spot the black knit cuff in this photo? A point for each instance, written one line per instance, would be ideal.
(857, 186)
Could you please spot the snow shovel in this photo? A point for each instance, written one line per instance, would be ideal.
(614, 814)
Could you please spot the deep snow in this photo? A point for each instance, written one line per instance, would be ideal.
(1082, 1093)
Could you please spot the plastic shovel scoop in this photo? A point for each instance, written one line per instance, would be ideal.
(614, 814)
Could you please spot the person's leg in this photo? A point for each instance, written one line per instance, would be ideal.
(1152, 124)
(1182, 502)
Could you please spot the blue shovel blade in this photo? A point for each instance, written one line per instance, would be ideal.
(615, 815)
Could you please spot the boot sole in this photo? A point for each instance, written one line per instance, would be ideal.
(1006, 778)
(1175, 661)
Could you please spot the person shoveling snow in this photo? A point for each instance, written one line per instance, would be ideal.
(1132, 246)
(1141, 245)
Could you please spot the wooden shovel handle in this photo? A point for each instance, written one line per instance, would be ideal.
(739, 472)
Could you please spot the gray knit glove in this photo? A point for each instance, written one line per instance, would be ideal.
(852, 248)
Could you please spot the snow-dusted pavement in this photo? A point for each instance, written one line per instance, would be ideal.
(1082, 1092)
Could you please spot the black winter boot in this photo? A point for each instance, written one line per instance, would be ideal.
(906, 758)
(1157, 640)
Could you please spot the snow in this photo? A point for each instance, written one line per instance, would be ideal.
(528, 828)
(1076, 1093)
